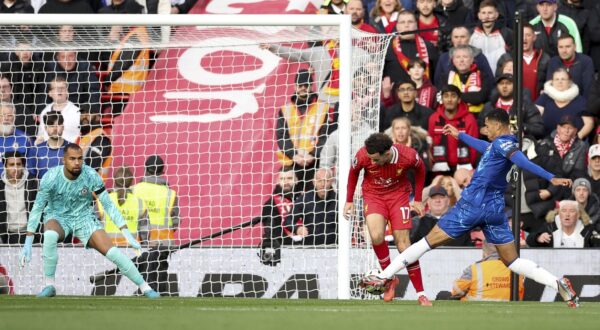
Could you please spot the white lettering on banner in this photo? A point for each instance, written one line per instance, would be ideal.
(244, 102)
(302, 5)
(440, 268)
(189, 63)
(223, 6)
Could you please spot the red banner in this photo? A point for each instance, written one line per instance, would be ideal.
(210, 113)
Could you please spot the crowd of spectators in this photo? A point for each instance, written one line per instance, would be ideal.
(449, 62)
(59, 94)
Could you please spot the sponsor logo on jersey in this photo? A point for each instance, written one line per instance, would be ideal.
(398, 172)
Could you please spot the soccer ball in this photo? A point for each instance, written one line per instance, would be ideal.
(371, 289)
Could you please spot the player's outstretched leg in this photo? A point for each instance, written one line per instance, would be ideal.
(128, 269)
(50, 255)
(530, 269)
(409, 256)
(435, 238)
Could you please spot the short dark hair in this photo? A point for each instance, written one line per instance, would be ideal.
(6, 76)
(415, 61)
(564, 36)
(154, 165)
(59, 78)
(460, 27)
(526, 25)
(72, 146)
(499, 115)
(378, 143)
(286, 169)
(405, 12)
(450, 89)
(564, 70)
(53, 117)
(13, 154)
(488, 3)
(404, 81)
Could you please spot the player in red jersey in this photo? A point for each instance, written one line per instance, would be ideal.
(386, 192)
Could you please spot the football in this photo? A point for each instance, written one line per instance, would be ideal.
(371, 289)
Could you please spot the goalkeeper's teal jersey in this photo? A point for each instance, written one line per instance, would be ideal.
(64, 199)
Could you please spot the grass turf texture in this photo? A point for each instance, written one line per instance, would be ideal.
(105, 313)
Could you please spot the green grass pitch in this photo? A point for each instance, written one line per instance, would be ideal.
(87, 313)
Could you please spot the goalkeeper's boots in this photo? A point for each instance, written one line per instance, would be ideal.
(47, 292)
(567, 293)
(390, 289)
(424, 301)
(151, 294)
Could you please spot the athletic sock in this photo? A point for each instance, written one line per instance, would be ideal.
(410, 255)
(382, 251)
(50, 254)
(529, 269)
(144, 287)
(125, 265)
(49, 281)
(414, 273)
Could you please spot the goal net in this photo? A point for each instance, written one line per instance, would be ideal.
(224, 145)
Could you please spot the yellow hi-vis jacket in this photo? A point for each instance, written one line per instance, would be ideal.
(303, 129)
(134, 77)
(132, 211)
(159, 200)
(486, 280)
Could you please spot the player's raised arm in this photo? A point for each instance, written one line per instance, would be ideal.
(474, 143)
(519, 159)
(420, 173)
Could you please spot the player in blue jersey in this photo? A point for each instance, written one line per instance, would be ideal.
(482, 205)
(65, 198)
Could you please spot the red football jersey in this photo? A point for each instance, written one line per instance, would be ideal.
(389, 178)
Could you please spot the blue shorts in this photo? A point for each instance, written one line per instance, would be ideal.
(489, 216)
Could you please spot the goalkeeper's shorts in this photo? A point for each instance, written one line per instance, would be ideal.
(82, 229)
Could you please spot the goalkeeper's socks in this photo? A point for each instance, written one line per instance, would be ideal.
(382, 251)
(50, 254)
(145, 287)
(125, 265)
(409, 256)
(529, 269)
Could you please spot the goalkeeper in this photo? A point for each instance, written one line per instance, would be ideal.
(65, 196)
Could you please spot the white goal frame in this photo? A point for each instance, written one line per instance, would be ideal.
(343, 22)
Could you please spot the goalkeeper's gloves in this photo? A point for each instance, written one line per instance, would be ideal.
(132, 241)
(26, 251)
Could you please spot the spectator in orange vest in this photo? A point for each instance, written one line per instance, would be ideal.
(302, 130)
(486, 280)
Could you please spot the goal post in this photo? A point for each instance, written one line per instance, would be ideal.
(214, 212)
